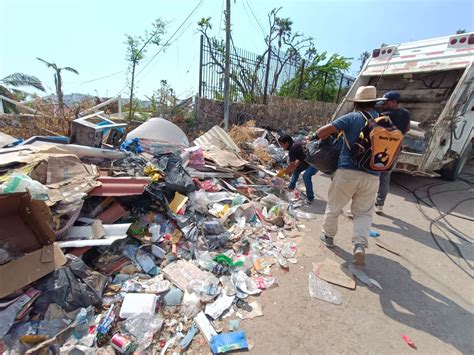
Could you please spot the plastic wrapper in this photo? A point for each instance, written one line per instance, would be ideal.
(225, 342)
(72, 286)
(144, 330)
(213, 227)
(205, 290)
(322, 290)
(324, 154)
(244, 283)
(18, 182)
(289, 250)
(191, 305)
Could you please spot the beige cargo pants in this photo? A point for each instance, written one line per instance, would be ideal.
(362, 188)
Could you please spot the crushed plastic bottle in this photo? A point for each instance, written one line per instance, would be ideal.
(322, 290)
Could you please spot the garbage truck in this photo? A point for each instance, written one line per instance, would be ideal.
(435, 80)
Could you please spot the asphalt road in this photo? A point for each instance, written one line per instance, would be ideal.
(428, 291)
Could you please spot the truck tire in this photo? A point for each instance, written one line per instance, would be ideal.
(454, 169)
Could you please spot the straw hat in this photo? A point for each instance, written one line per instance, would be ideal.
(366, 94)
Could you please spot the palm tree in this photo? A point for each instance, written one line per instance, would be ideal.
(58, 80)
(363, 58)
(9, 87)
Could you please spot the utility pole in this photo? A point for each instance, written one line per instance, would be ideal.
(227, 66)
(267, 71)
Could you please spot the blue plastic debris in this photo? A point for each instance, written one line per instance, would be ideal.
(225, 342)
(132, 145)
(374, 234)
(188, 337)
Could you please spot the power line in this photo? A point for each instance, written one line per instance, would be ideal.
(167, 43)
(220, 20)
(255, 17)
(169, 40)
(103, 77)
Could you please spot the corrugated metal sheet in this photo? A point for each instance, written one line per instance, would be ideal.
(217, 136)
(118, 186)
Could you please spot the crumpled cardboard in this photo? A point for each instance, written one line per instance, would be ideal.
(25, 226)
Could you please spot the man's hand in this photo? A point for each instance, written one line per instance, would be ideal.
(281, 173)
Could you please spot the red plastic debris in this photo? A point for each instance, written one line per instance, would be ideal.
(409, 341)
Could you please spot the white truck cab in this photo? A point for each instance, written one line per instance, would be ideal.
(435, 80)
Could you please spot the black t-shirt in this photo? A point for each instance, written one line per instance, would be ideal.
(296, 153)
(400, 117)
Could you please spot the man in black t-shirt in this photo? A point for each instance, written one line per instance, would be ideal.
(400, 117)
(297, 165)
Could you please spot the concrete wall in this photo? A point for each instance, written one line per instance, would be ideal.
(281, 112)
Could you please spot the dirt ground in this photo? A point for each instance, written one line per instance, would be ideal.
(427, 293)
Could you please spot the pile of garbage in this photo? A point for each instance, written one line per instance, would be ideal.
(157, 245)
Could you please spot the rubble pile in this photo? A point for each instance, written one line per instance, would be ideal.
(159, 245)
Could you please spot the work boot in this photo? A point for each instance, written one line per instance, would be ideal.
(327, 241)
(379, 209)
(359, 255)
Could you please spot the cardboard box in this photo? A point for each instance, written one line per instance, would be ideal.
(25, 225)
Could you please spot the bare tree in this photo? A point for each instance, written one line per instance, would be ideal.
(58, 80)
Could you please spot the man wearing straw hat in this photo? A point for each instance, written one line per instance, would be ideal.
(349, 182)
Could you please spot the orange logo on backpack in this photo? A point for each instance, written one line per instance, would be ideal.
(386, 144)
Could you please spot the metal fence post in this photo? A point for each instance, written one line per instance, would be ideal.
(300, 84)
(201, 52)
(339, 89)
(323, 91)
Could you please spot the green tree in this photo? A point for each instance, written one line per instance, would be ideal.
(136, 51)
(320, 79)
(163, 100)
(460, 31)
(9, 87)
(58, 80)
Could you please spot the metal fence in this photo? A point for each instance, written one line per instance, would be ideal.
(248, 69)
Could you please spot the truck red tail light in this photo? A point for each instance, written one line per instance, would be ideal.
(375, 53)
(471, 39)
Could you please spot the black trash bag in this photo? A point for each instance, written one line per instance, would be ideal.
(72, 286)
(177, 179)
(324, 154)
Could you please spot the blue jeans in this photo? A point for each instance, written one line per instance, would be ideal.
(309, 172)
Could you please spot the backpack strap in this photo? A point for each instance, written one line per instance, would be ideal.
(366, 115)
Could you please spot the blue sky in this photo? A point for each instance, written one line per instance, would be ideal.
(88, 35)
